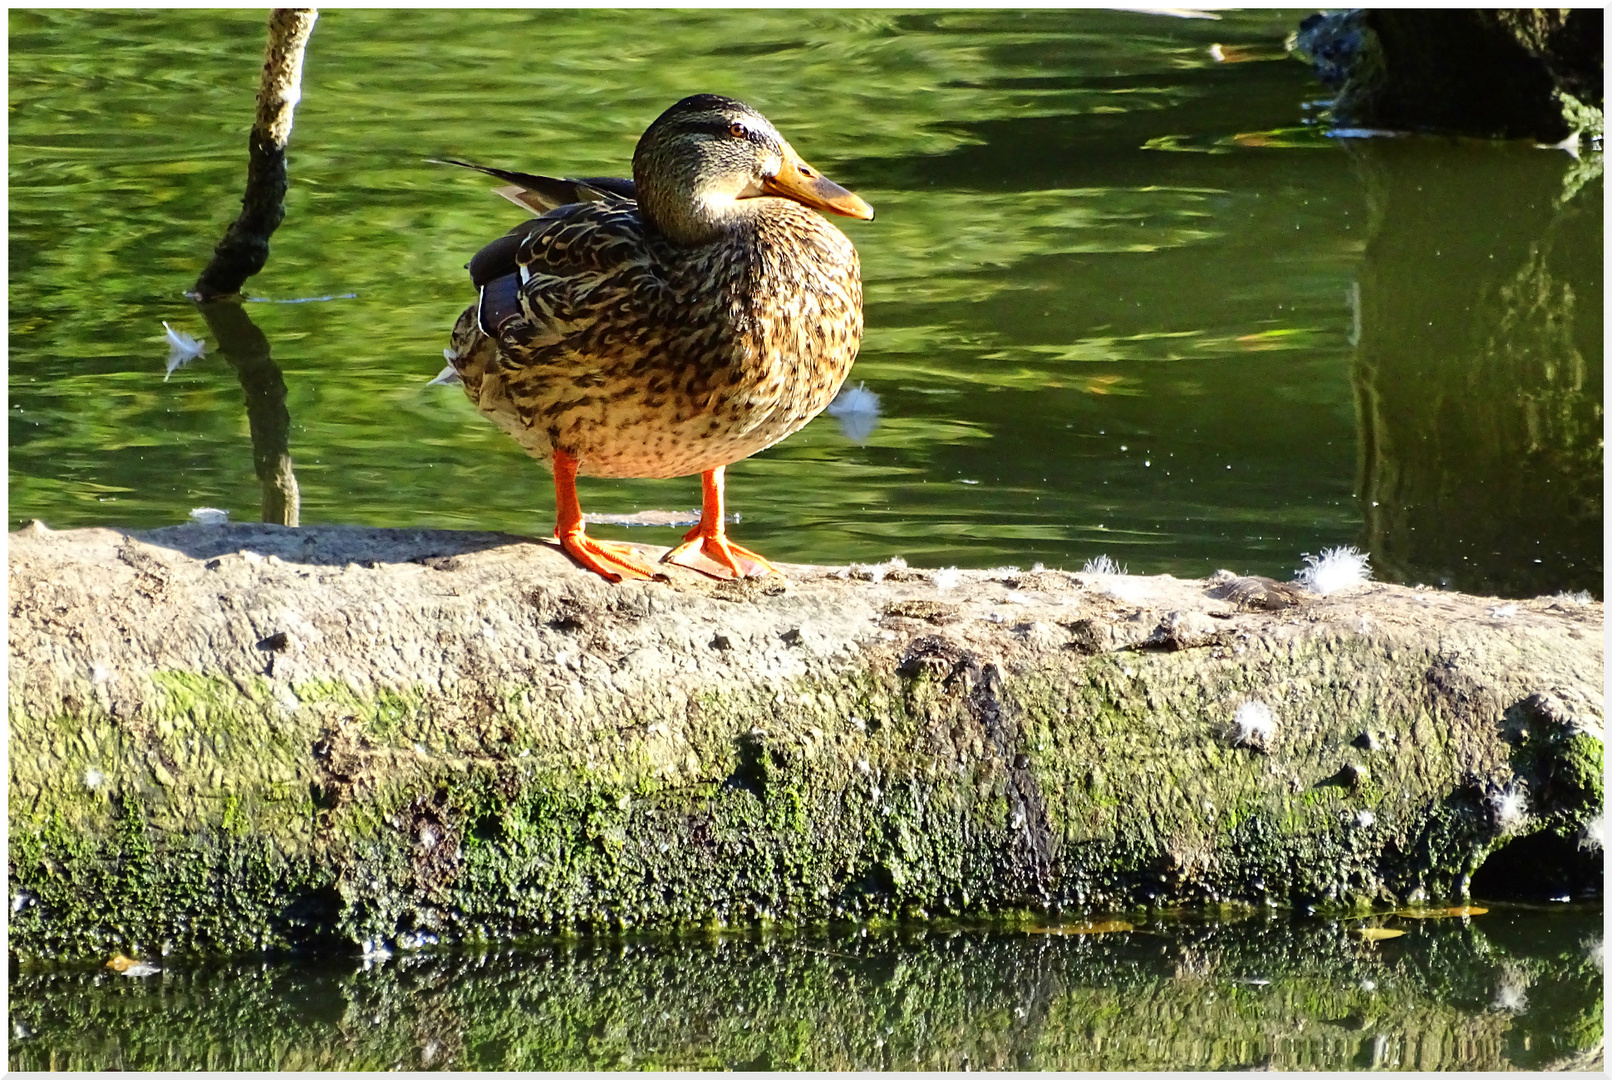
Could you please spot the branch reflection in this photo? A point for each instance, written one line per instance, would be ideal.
(247, 350)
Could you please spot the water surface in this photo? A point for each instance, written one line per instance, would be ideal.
(1512, 988)
(1123, 297)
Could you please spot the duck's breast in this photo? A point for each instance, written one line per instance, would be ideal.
(794, 322)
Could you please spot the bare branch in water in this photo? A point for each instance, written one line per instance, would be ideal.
(245, 246)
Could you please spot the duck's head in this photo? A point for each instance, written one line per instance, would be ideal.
(705, 155)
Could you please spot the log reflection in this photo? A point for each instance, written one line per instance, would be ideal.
(247, 350)
(1478, 367)
(1269, 992)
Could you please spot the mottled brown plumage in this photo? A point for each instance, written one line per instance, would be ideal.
(672, 326)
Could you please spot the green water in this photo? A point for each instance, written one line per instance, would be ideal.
(1122, 298)
(1512, 988)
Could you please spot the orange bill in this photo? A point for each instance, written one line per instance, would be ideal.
(799, 181)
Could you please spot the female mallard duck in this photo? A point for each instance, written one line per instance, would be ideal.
(668, 325)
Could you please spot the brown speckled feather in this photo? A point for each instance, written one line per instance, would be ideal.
(643, 358)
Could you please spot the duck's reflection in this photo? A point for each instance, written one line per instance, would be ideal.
(1478, 366)
(247, 350)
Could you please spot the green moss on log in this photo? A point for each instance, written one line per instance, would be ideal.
(959, 794)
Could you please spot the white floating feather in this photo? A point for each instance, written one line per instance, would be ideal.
(857, 410)
(209, 515)
(448, 376)
(182, 349)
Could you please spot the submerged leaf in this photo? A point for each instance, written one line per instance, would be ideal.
(1459, 911)
(1377, 933)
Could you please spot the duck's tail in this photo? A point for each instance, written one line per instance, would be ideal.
(540, 194)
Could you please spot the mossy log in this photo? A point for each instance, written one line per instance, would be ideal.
(252, 736)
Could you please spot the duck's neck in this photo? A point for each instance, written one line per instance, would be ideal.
(692, 220)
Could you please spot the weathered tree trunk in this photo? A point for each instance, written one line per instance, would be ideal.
(248, 736)
(1518, 73)
(245, 246)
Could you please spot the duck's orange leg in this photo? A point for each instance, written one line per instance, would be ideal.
(706, 547)
(610, 560)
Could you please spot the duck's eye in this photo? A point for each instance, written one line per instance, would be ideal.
(738, 130)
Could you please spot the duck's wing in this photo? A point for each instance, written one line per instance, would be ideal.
(541, 194)
(573, 274)
(499, 258)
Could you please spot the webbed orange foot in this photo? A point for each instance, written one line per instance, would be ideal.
(719, 557)
(610, 560)
(706, 547)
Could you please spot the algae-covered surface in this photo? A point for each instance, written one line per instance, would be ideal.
(1496, 988)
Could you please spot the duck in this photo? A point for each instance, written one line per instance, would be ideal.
(667, 325)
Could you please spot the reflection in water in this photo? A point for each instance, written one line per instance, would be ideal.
(1478, 367)
(1504, 989)
(247, 350)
